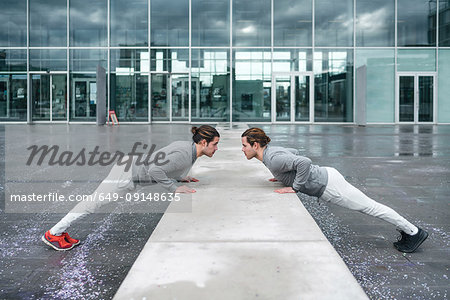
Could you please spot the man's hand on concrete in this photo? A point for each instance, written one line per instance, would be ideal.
(189, 179)
(285, 190)
(184, 189)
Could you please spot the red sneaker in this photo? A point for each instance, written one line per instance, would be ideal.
(57, 242)
(69, 239)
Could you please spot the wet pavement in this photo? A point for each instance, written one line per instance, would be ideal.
(405, 167)
(110, 242)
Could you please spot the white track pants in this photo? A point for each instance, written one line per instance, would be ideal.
(118, 181)
(342, 193)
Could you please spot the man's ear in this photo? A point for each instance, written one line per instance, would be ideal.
(204, 143)
(256, 146)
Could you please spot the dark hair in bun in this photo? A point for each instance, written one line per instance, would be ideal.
(256, 135)
(204, 132)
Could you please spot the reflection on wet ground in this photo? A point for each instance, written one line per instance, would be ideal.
(376, 141)
(110, 242)
(404, 167)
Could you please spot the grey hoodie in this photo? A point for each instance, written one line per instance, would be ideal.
(287, 166)
(180, 157)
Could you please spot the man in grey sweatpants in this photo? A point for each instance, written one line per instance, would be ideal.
(179, 158)
(300, 175)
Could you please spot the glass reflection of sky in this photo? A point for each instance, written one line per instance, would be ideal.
(375, 22)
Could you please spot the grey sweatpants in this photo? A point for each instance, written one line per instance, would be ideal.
(118, 181)
(342, 193)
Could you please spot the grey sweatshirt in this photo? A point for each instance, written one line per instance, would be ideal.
(180, 157)
(287, 166)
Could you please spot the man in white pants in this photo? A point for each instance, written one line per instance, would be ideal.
(299, 175)
(179, 158)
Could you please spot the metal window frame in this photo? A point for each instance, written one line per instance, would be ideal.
(231, 48)
(292, 75)
(416, 76)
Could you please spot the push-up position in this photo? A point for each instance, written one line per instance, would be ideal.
(180, 156)
(327, 184)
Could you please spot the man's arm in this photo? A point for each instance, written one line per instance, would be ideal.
(293, 151)
(176, 161)
(300, 164)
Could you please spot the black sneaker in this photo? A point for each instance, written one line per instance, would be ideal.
(409, 243)
(400, 239)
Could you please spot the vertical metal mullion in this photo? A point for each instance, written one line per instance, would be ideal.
(149, 83)
(354, 62)
(292, 110)
(273, 100)
(67, 65)
(435, 82)
(271, 54)
(29, 101)
(416, 98)
(437, 23)
(311, 97)
(51, 97)
(190, 64)
(231, 64)
(170, 98)
(396, 97)
(397, 79)
(312, 100)
(435, 100)
(108, 57)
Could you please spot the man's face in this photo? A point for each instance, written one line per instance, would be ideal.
(211, 148)
(248, 150)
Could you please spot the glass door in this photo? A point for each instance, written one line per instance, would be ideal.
(58, 83)
(425, 100)
(180, 97)
(292, 97)
(4, 96)
(406, 98)
(170, 97)
(302, 94)
(40, 93)
(283, 97)
(159, 97)
(416, 98)
(49, 97)
(84, 98)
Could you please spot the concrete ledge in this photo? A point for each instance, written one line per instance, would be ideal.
(241, 241)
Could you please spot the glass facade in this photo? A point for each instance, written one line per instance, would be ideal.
(48, 23)
(416, 23)
(83, 83)
(292, 23)
(251, 23)
(14, 23)
(170, 23)
(252, 85)
(129, 23)
(375, 23)
(226, 60)
(333, 85)
(444, 87)
(88, 23)
(379, 83)
(333, 23)
(210, 23)
(210, 79)
(13, 85)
